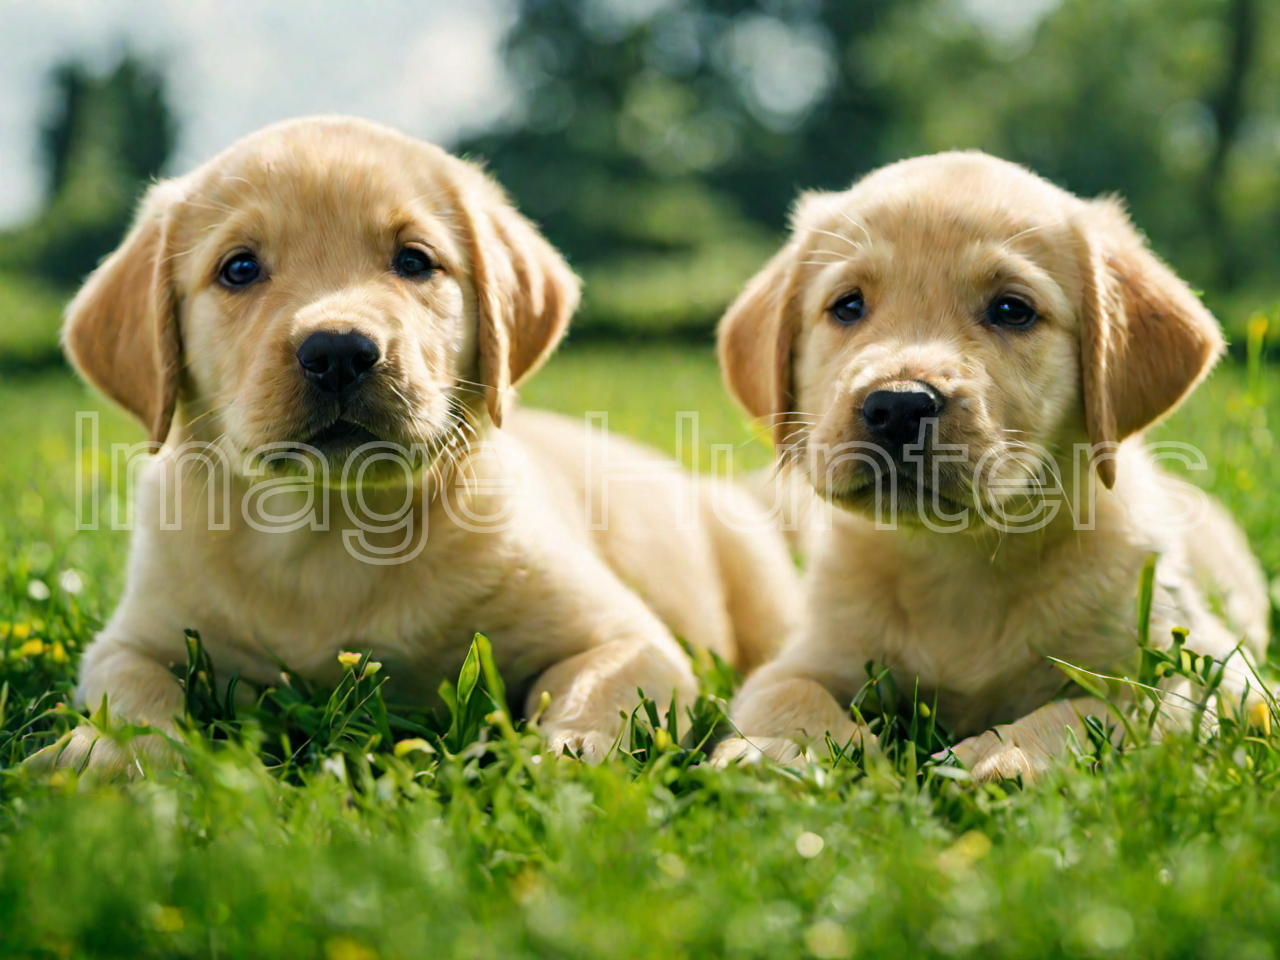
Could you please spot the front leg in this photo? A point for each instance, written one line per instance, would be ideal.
(784, 715)
(1030, 747)
(592, 691)
(139, 690)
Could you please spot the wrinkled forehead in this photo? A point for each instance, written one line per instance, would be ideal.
(309, 187)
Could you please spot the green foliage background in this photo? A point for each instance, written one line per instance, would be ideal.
(662, 150)
(660, 144)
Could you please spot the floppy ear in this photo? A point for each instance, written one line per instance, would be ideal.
(120, 331)
(754, 342)
(1145, 338)
(526, 294)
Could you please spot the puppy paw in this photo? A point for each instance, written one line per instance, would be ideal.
(590, 746)
(996, 755)
(86, 750)
(746, 752)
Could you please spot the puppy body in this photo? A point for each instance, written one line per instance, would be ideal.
(491, 536)
(973, 612)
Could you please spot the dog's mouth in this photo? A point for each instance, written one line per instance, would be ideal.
(334, 450)
(906, 495)
(348, 449)
(365, 444)
(912, 491)
(341, 435)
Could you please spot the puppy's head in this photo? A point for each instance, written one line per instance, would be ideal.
(955, 321)
(326, 282)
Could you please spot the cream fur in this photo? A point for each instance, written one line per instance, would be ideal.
(973, 616)
(584, 615)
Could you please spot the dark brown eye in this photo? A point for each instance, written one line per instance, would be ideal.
(240, 271)
(1012, 312)
(413, 263)
(850, 308)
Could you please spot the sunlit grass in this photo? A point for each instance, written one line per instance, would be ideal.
(321, 826)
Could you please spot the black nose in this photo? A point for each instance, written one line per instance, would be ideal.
(336, 361)
(894, 415)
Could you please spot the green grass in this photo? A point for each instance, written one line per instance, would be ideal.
(475, 850)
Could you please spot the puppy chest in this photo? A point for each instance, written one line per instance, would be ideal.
(993, 662)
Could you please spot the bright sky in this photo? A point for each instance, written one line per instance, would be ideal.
(430, 67)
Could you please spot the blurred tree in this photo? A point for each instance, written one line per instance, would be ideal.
(1228, 106)
(107, 136)
(661, 141)
(146, 129)
(1171, 103)
(71, 83)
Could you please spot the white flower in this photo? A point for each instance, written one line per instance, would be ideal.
(809, 845)
(71, 581)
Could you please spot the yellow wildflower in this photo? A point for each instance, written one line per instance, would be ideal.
(20, 631)
(32, 648)
(967, 850)
(168, 919)
(527, 886)
(348, 659)
(346, 948)
(1260, 717)
(544, 703)
(57, 652)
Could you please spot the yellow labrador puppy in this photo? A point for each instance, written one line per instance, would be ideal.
(953, 352)
(322, 325)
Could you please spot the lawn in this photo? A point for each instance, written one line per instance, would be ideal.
(472, 844)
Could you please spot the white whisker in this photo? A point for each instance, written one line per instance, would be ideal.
(865, 232)
(839, 236)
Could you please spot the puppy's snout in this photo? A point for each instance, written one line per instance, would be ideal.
(894, 416)
(335, 362)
